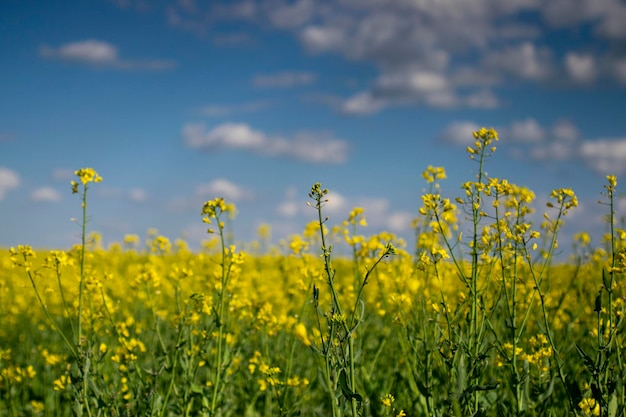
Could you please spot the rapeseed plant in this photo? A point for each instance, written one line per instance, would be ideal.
(478, 320)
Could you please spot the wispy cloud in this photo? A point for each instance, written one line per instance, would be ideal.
(606, 156)
(378, 210)
(9, 180)
(221, 187)
(62, 174)
(220, 110)
(304, 146)
(581, 67)
(45, 194)
(284, 79)
(560, 141)
(426, 53)
(137, 195)
(459, 133)
(97, 53)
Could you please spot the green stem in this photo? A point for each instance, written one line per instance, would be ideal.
(71, 347)
(220, 318)
(81, 284)
(538, 281)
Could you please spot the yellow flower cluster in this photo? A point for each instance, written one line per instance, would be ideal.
(85, 176)
(589, 407)
(483, 138)
(434, 173)
(213, 209)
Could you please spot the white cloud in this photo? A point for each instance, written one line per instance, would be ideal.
(606, 156)
(218, 188)
(424, 51)
(580, 67)
(525, 61)
(483, 99)
(442, 98)
(559, 142)
(284, 79)
(223, 188)
(227, 135)
(138, 195)
(527, 130)
(400, 222)
(62, 174)
(613, 25)
(565, 130)
(45, 194)
(9, 180)
(293, 14)
(181, 204)
(409, 87)
(290, 206)
(320, 39)
(98, 53)
(459, 133)
(606, 17)
(90, 51)
(310, 147)
(553, 151)
(306, 146)
(416, 85)
(362, 103)
(556, 143)
(618, 69)
(288, 209)
(427, 81)
(336, 204)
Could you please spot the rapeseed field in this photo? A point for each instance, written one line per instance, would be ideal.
(476, 318)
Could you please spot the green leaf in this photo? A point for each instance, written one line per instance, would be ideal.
(613, 406)
(589, 363)
(196, 389)
(343, 383)
(345, 389)
(598, 304)
(605, 280)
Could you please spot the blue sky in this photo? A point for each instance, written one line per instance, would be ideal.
(177, 102)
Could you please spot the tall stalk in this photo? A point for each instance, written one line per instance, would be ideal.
(341, 327)
(213, 210)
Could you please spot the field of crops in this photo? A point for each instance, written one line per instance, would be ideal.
(475, 319)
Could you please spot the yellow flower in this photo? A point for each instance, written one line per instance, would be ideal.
(38, 406)
(51, 358)
(612, 181)
(589, 407)
(301, 333)
(387, 400)
(434, 173)
(87, 175)
(61, 383)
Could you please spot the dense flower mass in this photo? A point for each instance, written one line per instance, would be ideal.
(475, 317)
